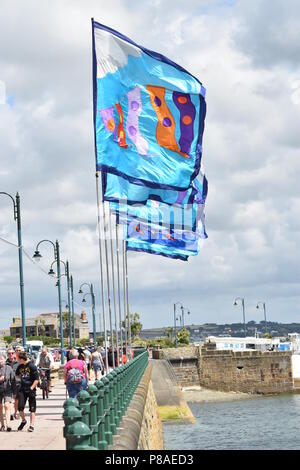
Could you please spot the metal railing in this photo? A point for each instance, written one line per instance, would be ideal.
(93, 418)
(170, 368)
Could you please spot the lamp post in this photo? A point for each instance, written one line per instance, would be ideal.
(67, 274)
(243, 305)
(17, 218)
(265, 315)
(37, 256)
(73, 313)
(175, 318)
(182, 314)
(91, 293)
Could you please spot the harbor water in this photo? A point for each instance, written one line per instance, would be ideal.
(262, 423)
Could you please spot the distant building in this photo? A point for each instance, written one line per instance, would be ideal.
(48, 324)
(4, 332)
(248, 343)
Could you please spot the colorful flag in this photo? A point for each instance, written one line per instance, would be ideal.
(118, 189)
(148, 114)
(169, 242)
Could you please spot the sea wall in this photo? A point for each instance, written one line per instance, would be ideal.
(185, 362)
(247, 371)
(141, 427)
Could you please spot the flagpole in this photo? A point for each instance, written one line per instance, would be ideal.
(119, 292)
(101, 268)
(108, 281)
(124, 296)
(127, 300)
(113, 286)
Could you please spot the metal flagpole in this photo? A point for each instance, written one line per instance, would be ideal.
(127, 301)
(124, 296)
(108, 281)
(101, 269)
(113, 286)
(119, 291)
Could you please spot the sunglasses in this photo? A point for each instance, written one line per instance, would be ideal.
(11, 353)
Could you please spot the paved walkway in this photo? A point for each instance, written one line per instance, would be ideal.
(48, 432)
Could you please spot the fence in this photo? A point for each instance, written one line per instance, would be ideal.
(93, 418)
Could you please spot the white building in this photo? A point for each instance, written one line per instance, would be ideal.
(247, 344)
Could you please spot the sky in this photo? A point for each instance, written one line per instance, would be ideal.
(246, 54)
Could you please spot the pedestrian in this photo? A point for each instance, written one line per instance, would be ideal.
(76, 377)
(87, 358)
(28, 373)
(80, 354)
(13, 363)
(70, 348)
(97, 363)
(7, 390)
(45, 361)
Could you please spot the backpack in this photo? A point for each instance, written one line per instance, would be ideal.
(74, 376)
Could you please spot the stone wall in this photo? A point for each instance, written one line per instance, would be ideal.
(247, 371)
(141, 427)
(185, 363)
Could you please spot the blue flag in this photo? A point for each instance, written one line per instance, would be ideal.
(169, 242)
(148, 114)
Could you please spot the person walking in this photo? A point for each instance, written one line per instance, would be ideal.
(7, 390)
(45, 361)
(87, 358)
(13, 363)
(97, 363)
(28, 373)
(76, 376)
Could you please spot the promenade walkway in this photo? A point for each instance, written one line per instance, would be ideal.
(48, 432)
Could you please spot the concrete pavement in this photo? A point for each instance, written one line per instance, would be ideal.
(48, 432)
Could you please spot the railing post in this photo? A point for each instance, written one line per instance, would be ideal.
(93, 424)
(115, 396)
(111, 402)
(108, 433)
(71, 415)
(79, 436)
(102, 444)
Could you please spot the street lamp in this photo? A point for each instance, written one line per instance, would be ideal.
(182, 312)
(91, 293)
(67, 274)
(175, 318)
(265, 315)
(37, 256)
(243, 305)
(17, 218)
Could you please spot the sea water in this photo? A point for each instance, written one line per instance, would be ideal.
(258, 423)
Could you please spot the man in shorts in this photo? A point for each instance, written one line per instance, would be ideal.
(28, 373)
(7, 390)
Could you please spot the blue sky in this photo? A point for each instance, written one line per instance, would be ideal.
(246, 55)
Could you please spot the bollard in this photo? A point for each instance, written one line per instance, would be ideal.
(70, 415)
(93, 424)
(79, 436)
(102, 444)
(108, 433)
(113, 428)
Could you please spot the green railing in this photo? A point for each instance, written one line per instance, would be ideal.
(93, 418)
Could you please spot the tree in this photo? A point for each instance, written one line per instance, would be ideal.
(268, 335)
(183, 336)
(135, 325)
